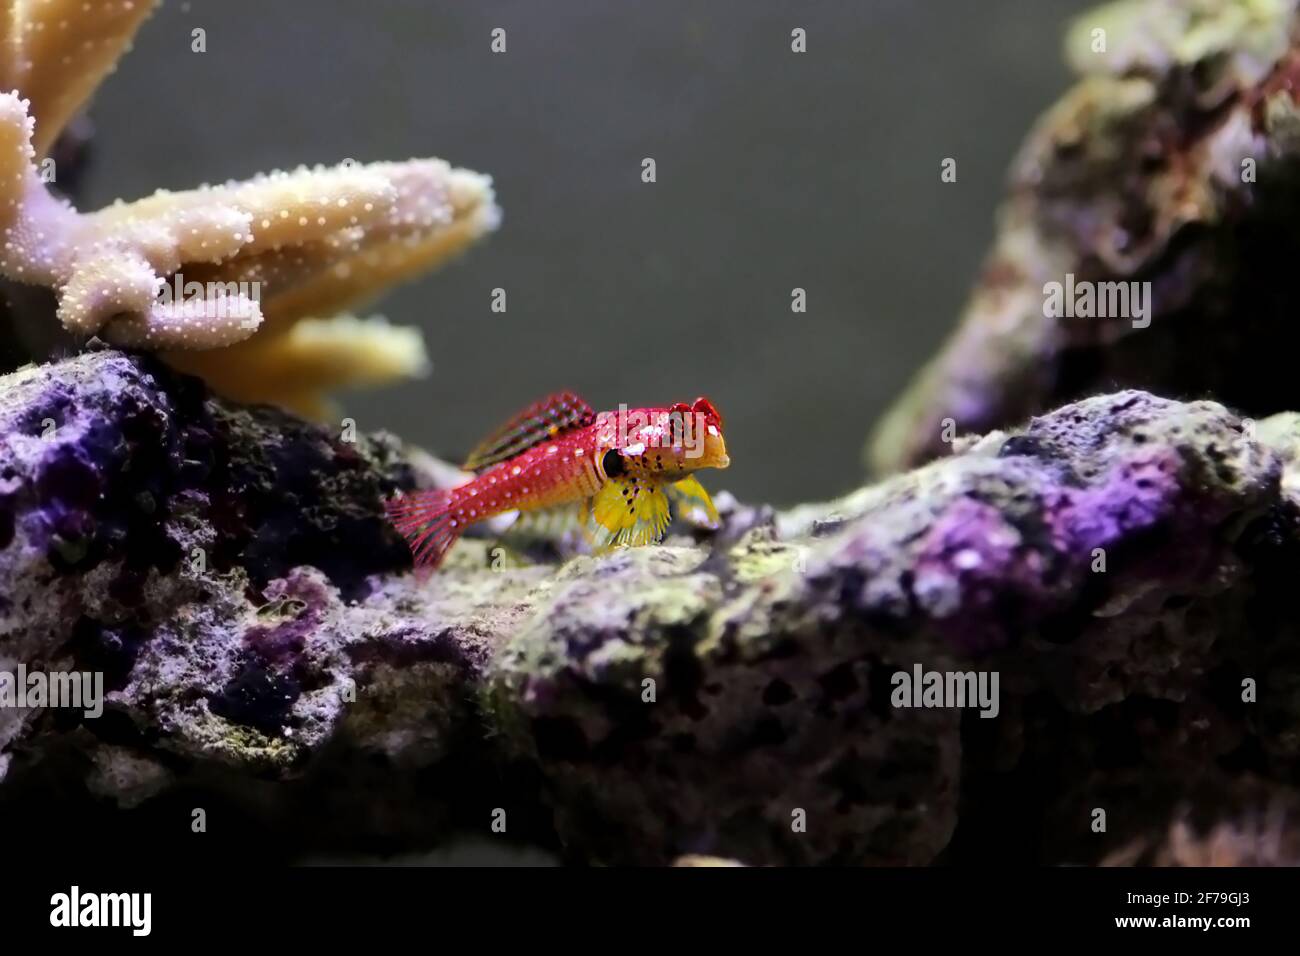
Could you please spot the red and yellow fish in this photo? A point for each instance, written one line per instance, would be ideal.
(617, 468)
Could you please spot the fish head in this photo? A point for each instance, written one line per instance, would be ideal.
(712, 445)
(666, 444)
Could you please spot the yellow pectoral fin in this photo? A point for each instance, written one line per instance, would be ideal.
(694, 504)
(626, 512)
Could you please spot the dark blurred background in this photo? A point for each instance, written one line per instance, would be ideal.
(775, 170)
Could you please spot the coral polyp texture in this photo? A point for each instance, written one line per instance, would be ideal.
(195, 272)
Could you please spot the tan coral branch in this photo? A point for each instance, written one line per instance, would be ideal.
(10, 55)
(67, 48)
(15, 156)
(314, 356)
(348, 228)
(287, 246)
(353, 281)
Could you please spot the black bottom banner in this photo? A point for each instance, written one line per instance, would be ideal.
(334, 904)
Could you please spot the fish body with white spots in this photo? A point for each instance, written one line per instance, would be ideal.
(620, 467)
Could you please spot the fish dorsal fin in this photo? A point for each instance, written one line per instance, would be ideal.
(537, 423)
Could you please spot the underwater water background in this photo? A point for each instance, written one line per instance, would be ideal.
(775, 170)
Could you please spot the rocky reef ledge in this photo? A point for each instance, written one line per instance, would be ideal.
(1123, 565)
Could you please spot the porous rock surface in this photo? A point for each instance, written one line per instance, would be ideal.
(1123, 563)
(1170, 167)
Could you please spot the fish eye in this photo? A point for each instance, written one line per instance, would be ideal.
(612, 464)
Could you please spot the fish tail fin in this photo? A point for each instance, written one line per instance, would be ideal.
(426, 521)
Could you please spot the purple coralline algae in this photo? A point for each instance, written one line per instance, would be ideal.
(265, 643)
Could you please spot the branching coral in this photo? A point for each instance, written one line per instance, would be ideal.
(205, 269)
